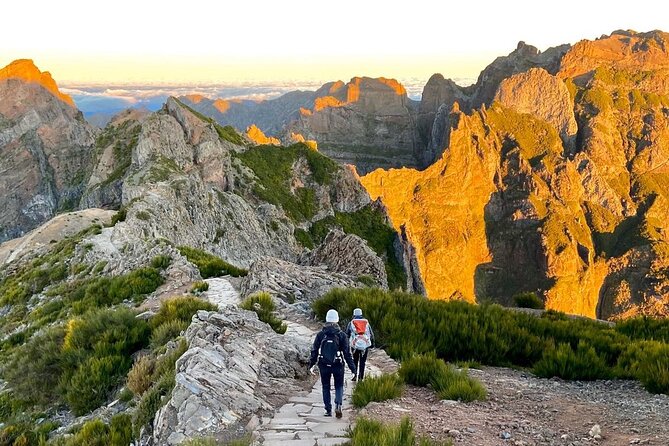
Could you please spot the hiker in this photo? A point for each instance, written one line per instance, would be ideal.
(361, 338)
(330, 350)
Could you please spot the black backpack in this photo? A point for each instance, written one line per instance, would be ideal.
(329, 353)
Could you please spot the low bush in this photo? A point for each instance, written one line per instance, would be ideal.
(449, 383)
(264, 307)
(369, 432)
(91, 383)
(179, 309)
(199, 287)
(161, 262)
(528, 300)
(567, 363)
(167, 331)
(97, 433)
(210, 265)
(382, 388)
(420, 369)
(140, 375)
(457, 385)
(163, 379)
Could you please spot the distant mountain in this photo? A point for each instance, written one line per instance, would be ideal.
(45, 149)
(366, 122)
(556, 181)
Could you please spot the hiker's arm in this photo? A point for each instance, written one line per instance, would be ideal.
(314, 350)
(347, 352)
(371, 335)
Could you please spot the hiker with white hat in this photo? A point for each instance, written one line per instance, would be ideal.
(361, 339)
(329, 351)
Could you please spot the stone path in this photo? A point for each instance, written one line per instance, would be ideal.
(302, 421)
(221, 292)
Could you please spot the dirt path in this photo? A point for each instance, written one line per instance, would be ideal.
(525, 410)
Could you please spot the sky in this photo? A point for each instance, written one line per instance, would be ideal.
(256, 41)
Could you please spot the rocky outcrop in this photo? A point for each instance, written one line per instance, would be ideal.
(520, 60)
(438, 93)
(293, 283)
(367, 122)
(257, 136)
(45, 149)
(114, 154)
(540, 94)
(348, 254)
(233, 365)
(622, 49)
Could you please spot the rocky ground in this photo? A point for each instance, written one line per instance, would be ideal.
(525, 410)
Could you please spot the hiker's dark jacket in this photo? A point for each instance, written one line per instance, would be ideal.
(343, 345)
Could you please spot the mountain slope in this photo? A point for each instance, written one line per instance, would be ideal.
(566, 195)
(45, 149)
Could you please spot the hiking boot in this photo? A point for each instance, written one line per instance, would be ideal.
(328, 413)
(355, 378)
(338, 410)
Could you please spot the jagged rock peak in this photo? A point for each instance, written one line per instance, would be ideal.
(26, 70)
(622, 49)
(257, 136)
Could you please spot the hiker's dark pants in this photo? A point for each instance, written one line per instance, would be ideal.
(359, 359)
(336, 371)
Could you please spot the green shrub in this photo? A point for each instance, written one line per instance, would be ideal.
(457, 385)
(93, 381)
(654, 373)
(120, 430)
(121, 215)
(564, 362)
(161, 262)
(140, 375)
(420, 369)
(408, 325)
(210, 265)
(166, 332)
(199, 287)
(34, 369)
(528, 300)
(264, 307)
(97, 433)
(152, 400)
(179, 309)
(449, 383)
(369, 432)
(645, 328)
(382, 388)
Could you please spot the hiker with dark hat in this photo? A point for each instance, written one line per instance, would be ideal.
(329, 351)
(361, 339)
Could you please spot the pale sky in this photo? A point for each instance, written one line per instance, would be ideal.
(267, 40)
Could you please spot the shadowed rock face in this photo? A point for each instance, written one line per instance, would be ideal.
(561, 186)
(45, 149)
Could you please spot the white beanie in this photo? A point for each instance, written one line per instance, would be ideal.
(332, 316)
(357, 312)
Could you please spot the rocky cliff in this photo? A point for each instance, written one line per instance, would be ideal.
(366, 122)
(556, 184)
(45, 149)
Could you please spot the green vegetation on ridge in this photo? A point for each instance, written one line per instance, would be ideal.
(553, 344)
